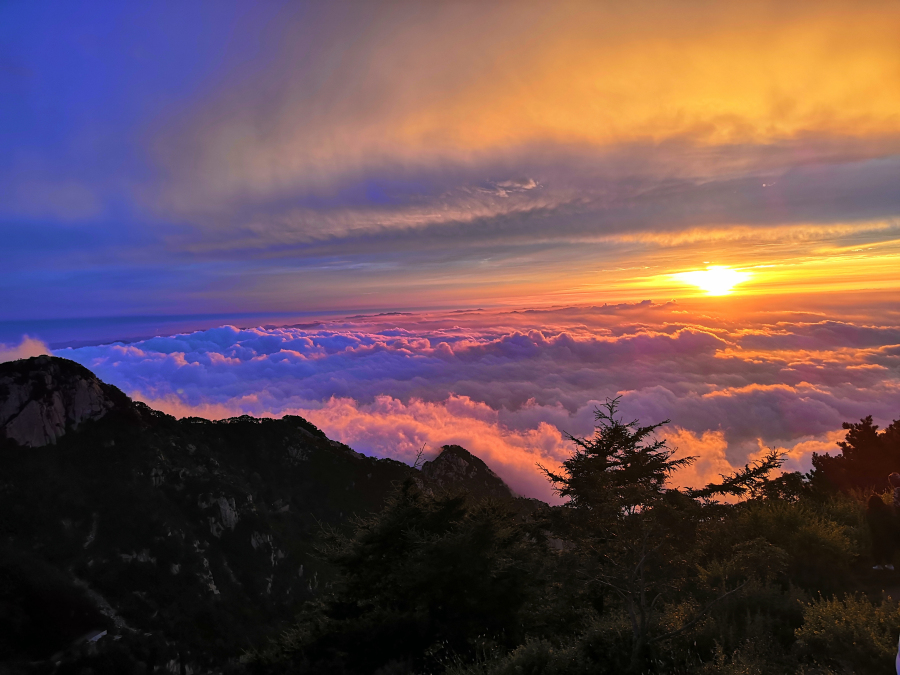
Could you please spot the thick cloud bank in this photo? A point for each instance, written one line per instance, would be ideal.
(509, 385)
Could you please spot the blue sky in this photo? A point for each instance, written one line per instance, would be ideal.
(228, 158)
(84, 86)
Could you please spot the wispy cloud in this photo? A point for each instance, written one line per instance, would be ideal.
(458, 83)
(443, 153)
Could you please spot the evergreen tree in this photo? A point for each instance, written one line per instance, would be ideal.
(866, 459)
(638, 535)
(620, 470)
(427, 579)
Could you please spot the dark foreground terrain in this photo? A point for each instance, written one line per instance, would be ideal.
(132, 542)
(187, 541)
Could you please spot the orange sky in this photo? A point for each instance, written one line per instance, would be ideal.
(329, 156)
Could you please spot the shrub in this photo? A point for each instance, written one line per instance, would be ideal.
(535, 657)
(850, 633)
(820, 549)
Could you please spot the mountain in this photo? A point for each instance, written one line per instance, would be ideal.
(43, 397)
(188, 541)
(455, 468)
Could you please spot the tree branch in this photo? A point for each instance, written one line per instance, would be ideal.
(420, 455)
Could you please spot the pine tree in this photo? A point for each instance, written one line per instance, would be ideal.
(636, 533)
(622, 469)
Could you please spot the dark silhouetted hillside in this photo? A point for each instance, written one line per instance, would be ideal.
(190, 540)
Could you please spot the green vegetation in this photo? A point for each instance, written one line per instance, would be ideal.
(754, 574)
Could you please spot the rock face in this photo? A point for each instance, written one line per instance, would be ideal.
(458, 469)
(42, 398)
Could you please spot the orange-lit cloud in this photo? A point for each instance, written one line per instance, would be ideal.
(404, 84)
(390, 428)
(573, 157)
(349, 156)
(26, 349)
(508, 385)
(393, 429)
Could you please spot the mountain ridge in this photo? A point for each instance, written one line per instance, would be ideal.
(457, 468)
(187, 540)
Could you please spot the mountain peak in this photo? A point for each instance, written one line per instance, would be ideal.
(457, 468)
(43, 397)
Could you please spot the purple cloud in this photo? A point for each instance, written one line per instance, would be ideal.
(524, 379)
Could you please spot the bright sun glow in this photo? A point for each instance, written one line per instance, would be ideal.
(715, 280)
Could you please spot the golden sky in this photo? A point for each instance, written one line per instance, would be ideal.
(405, 154)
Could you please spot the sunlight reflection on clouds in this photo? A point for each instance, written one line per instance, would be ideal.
(509, 385)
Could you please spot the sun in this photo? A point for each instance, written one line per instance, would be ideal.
(715, 280)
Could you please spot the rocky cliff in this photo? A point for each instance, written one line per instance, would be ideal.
(44, 397)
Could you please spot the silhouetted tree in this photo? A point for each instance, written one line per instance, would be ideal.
(618, 471)
(752, 481)
(866, 459)
(639, 532)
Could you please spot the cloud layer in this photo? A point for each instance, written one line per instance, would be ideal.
(509, 385)
(343, 157)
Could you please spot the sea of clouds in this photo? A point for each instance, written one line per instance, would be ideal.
(509, 385)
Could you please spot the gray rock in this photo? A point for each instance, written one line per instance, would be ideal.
(44, 397)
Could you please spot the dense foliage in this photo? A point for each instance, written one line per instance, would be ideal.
(757, 573)
(430, 578)
(867, 456)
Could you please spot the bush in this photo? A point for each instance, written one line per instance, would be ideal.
(820, 549)
(758, 657)
(852, 634)
(535, 657)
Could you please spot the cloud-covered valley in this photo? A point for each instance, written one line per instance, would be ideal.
(509, 385)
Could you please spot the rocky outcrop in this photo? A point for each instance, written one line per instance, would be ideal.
(458, 469)
(42, 398)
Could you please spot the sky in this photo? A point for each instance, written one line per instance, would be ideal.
(174, 168)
